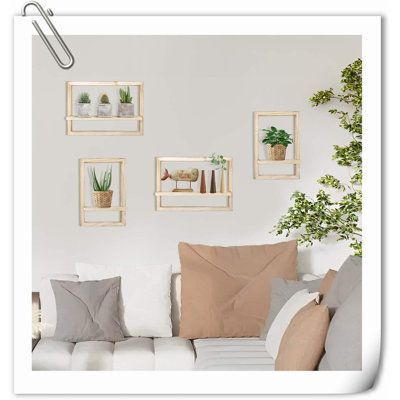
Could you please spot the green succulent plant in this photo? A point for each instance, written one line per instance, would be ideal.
(125, 95)
(84, 98)
(219, 161)
(104, 182)
(104, 99)
(274, 136)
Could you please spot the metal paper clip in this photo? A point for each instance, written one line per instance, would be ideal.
(54, 30)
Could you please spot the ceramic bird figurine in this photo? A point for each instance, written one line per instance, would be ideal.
(182, 175)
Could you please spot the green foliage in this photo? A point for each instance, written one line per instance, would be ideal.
(104, 99)
(84, 98)
(125, 95)
(316, 218)
(219, 161)
(104, 182)
(275, 136)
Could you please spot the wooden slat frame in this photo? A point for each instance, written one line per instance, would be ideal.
(159, 194)
(296, 145)
(122, 194)
(139, 118)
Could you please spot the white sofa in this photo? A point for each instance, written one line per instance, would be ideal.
(141, 353)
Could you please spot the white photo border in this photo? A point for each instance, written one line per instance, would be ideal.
(197, 382)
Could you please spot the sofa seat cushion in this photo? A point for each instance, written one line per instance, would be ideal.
(173, 353)
(134, 354)
(232, 354)
(92, 356)
(52, 355)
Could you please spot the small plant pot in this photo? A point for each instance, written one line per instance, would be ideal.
(84, 109)
(104, 110)
(277, 152)
(126, 110)
(102, 199)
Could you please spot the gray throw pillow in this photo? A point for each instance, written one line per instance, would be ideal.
(87, 310)
(281, 291)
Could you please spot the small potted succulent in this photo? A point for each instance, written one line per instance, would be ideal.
(104, 108)
(125, 106)
(276, 141)
(101, 194)
(84, 105)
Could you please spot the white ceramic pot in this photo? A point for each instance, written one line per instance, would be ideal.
(104, 110)
(84, 109)
(126, 110)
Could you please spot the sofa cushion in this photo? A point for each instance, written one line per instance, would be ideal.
(52, 355)
(232, 354)
(48, 302)
(134, 354)
(173, 354)
(225, 290)
(92, 356)
(145, 303)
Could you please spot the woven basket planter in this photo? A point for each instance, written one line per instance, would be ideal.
(102, 199)
(278, 152)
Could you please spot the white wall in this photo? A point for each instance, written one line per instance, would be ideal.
(200, 93)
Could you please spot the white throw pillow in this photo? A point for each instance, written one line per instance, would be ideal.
(48, 308)
(145, 304)
(299, 300)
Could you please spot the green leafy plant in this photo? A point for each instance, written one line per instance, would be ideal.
(84, 98)
(125, 95)
(219, 161)
(274, 136)
(323, 215)
(104, 182)
(104, 99)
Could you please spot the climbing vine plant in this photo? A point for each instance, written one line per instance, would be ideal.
(327, 213)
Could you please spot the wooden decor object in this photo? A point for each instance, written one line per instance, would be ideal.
(273, 158)
(103, 208)
(70, 118)
(213, 188)
(228, 195)
(203, 187)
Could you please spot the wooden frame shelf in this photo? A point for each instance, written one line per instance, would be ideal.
(296, 146)
(83, 208)
(159, 194)
(138, 119)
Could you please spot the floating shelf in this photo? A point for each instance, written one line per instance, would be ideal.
(277, 162)
(104, 209)
(137, 120)
(195, 194)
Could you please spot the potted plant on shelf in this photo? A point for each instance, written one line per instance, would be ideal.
(125, 106)
(84, 105)
(220, 162)
(276, 141)
(104, 107)
(101, 195)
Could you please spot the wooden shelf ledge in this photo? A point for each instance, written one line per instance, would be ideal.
(104, 209)
(194, 194)
(277, 162)
(95, 118)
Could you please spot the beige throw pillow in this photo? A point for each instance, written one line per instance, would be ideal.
(302, 344)
(226, 290)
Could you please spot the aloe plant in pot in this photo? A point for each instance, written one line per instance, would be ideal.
(104, 108)
(276, 141)
(84, 105)
(125, 106)
(101, 194)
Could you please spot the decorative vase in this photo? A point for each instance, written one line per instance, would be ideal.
(222, 183)
(102, 199)
(277, 152)
(213, 188)
(84, 110)
(126, 110)
(104, 110)
(203, 188)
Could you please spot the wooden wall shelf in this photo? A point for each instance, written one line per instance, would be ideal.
(138, 119)
(159, 194)
(256, 146)
(84, 208)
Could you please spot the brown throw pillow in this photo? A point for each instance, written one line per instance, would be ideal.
(302, 344)
(226, 290)
(327, 281)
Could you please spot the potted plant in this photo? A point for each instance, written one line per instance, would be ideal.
(220, 162)
(276, 141)
(104, 108)
(101, 195)
(125, 106)
(84, 105)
